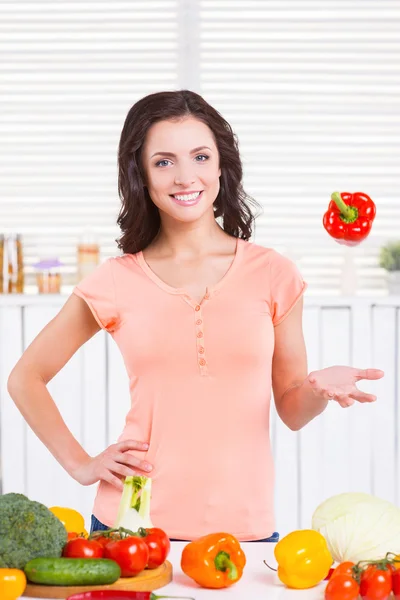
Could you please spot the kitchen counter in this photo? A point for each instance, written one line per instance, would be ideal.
(257, 582)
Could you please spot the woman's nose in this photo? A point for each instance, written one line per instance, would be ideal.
(185, 177)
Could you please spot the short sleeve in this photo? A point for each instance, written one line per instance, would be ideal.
(286, 286)
(98, 291)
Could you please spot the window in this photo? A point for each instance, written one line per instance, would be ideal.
(311, 89)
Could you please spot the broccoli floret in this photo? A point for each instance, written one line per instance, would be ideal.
(28, 529)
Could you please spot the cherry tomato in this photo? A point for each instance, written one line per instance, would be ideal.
(131, 553)
(376, 583)
(12, 583)
(345, 568)
(159, 546)
(81, 548)
(342, 587)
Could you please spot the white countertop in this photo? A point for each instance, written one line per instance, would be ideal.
(257, 582)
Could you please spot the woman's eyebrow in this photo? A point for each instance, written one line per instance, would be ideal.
(174, 156)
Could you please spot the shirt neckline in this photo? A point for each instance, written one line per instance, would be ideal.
(210, 289)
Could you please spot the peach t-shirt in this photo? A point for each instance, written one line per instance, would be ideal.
(200, 386)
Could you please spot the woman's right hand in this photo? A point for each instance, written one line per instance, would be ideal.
(113, 465)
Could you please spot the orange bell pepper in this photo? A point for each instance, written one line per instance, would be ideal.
(214, 561)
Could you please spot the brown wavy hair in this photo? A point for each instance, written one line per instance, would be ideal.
(139, 218)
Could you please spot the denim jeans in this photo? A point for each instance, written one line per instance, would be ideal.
(97, 525)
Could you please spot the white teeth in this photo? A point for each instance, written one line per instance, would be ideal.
(188, 197)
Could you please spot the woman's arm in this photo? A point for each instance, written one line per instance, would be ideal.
(42, 360)
(295, 400)
(300, 397)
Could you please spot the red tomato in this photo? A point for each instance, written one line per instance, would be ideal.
(82, 548)
(342, 587)
(131, 553)
(376, 584)
(159, 546)
(345, 568)
(396, 584)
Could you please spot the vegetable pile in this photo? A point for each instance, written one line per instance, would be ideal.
(105, 556)
(372, 580)
(52, 547)
(132, 551)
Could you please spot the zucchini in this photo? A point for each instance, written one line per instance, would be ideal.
(72, 571)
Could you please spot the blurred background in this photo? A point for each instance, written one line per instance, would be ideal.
(312, 90)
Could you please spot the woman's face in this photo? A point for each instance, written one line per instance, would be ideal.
(181, 163)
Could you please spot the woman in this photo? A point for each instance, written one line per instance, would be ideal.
(206, 323)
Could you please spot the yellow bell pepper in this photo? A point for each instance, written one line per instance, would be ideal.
(12, 583)
(303, 559)
(70, 518)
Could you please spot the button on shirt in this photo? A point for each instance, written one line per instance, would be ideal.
(200, 384)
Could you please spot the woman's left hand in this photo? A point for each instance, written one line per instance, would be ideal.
(339, 383)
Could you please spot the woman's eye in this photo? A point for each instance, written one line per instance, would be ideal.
(158, 164)
(203, 156)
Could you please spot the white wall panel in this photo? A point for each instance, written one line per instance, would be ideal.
(311, 437)
(12, 425)
(383, 434)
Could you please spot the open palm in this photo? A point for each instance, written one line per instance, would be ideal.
(339, 383)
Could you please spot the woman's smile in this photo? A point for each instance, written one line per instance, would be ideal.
(187, 199)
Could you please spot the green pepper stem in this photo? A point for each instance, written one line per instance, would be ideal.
(341, 204)
(223, 562)
(269, 566)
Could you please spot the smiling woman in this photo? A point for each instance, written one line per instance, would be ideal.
(161, 169)
(207, 323)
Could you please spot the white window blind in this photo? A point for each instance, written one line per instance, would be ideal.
(312, 90)
(69, 73)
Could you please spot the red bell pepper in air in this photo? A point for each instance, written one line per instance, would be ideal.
(349, 217)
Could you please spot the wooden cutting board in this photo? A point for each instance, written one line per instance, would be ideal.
(147, 581)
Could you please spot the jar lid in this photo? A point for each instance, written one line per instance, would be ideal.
(48, 263)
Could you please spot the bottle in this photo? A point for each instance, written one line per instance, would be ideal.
(11, 264)
(88, 255)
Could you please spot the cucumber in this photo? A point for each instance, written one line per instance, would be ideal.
(72, 571)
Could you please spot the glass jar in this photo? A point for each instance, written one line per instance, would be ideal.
(11, 264)
(48, 276)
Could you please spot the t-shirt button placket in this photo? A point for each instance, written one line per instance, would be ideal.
(200, 340)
